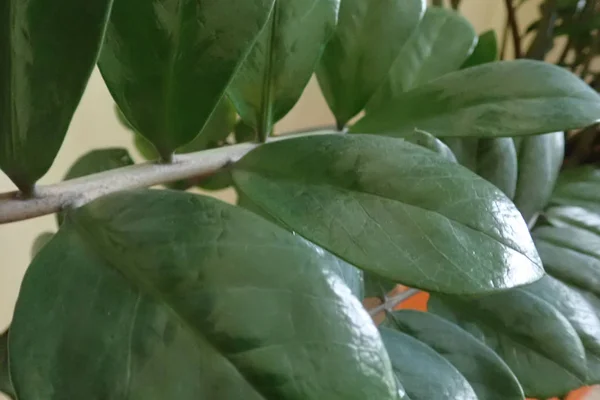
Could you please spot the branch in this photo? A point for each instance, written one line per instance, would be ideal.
(77, 192)
(393, 301)
(514, 27)
(545, 35)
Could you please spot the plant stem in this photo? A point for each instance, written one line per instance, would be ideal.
(545, 34)
(455, 4)
(393, 301)
(77, 192)
(504, 40)
(514, 27)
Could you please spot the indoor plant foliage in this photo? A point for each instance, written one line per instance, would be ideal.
(448, 183)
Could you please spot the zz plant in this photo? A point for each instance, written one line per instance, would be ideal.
(443, 175)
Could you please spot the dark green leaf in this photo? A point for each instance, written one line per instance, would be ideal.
(243, 132)
(488, 375)
(492, 159)
(577, 217)
(167, 64)
(439, 45)
(369, 36)
(5, 383)
(282, 61)
(40, 242)
(580, 313)
(96, 161)
(218, 181)
(536, 341)
(486, 50)
(392, 208)
(376, 286)
(571, 255)
(424, 374)
(219, 126)
(540, 158)
(579, 187)
(509, 98)
(168, 295)
(47, 52)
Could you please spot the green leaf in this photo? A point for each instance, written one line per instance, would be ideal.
(169, 69)
(278, 68)
(5, 382)
(96, 161)
(376, 286)
(47, 52)
(486, 50)
(534, 339)
(509, 98)
(439, 45)
(579, 187)
(426, 140)
(243, 132)
(356, 61)
(99, 160)
(540, 159)
(394, 209)
(40, 241)
(488, 375)
(424, 374)
(219, 126)
(577, 217)
(196, 299)
(580, 313)
(495, 160)
(571, 255)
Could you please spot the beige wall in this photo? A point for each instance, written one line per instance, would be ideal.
(95, 126)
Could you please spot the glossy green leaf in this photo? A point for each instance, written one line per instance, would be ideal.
(96, 161)
(282, 61)
(509, 98)
(47, 52)
(219, 126)
(488, 375)
(5, 382)
(440, 44)
(534, 339)
(540, 159)
(356, 61)
(580, 313)
(168, 63)
(577, 217)
(427, 140)
(579, 187)
(40, 241)
(394, 209)
(424, 374)
(485, 52)
(196, 299)
(492, 159)
(571, 255)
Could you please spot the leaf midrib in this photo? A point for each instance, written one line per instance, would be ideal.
(140, 283)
